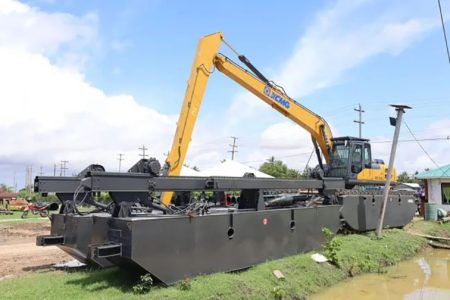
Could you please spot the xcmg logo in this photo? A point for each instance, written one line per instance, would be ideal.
(275, 97)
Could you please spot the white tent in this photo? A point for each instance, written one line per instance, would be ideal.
(232, 168)
(185, 171)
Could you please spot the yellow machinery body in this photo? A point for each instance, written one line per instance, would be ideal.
(206, 58)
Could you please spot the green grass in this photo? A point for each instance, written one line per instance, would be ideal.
(17, 215)
(431, 228)
(373, 254)
(353, 254)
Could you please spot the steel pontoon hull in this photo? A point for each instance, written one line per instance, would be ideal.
(173, 248)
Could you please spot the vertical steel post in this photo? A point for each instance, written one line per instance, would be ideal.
(397, 122)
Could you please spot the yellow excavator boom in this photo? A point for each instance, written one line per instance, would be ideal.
(201, 69)
(206, 57)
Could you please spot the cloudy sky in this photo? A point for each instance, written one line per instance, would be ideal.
(85, 80)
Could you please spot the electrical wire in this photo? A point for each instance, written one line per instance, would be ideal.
(415, 140)
(423, 149)
(278, 157)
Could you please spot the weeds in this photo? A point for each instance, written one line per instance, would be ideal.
(185, 285)
(144, 285)
(278, 292)
(332, 246)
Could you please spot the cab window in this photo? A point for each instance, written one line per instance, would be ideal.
(357, 156)
(367, 158)
(340, 157)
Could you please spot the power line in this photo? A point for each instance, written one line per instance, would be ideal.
(415, 140)
(423, 149)
(233, 147)
(309, 159)
(120, 159)
(443, 30)
(360, 122)
(278, 157)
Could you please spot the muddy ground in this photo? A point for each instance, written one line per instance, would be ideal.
(19, 254)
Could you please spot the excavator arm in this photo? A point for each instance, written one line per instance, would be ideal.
(278, 100)
(206, 58)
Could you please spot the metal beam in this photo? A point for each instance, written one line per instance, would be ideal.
(133, 182)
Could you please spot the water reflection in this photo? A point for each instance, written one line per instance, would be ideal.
(425, 277)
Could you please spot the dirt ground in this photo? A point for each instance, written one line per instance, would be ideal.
(19, 254)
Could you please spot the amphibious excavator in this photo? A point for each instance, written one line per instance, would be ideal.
(141, 228)
(347, 157)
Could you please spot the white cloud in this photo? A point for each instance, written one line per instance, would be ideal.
(64, 37)
(340, 38)
(324, 53)
(286, 141)
(292, 144)
(285, 136)
(410, 157)
(50, 112)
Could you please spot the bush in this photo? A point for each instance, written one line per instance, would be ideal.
(144, 285)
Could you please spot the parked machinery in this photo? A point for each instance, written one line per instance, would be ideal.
(142, 229)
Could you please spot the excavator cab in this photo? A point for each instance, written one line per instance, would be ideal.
(349, 157)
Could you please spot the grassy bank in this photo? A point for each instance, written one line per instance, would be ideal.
(351, 254)
(430, 228)
(16, 217)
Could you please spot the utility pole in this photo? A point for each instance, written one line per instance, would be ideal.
(14, 183)
(397, 122)
(29, 179)
(359, 121)
(120, 159)
(143, 148)
(63, 168)
(41, 172)
(233, 147)
(27, 171)
(54, 169)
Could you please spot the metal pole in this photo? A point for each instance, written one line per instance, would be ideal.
(397, 123)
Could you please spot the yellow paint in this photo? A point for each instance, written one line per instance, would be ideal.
(206, 57)
(201, 69)
(294, 111)
(376, 174)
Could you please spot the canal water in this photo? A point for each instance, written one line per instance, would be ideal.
(424, 277)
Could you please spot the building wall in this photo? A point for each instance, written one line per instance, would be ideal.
(435, 191)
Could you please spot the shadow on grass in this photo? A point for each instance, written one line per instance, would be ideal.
(94, 279)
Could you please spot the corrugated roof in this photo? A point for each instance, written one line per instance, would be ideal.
(441, 172)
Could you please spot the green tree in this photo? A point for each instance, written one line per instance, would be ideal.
(6, 188)
(403, 177)
(278, 169)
